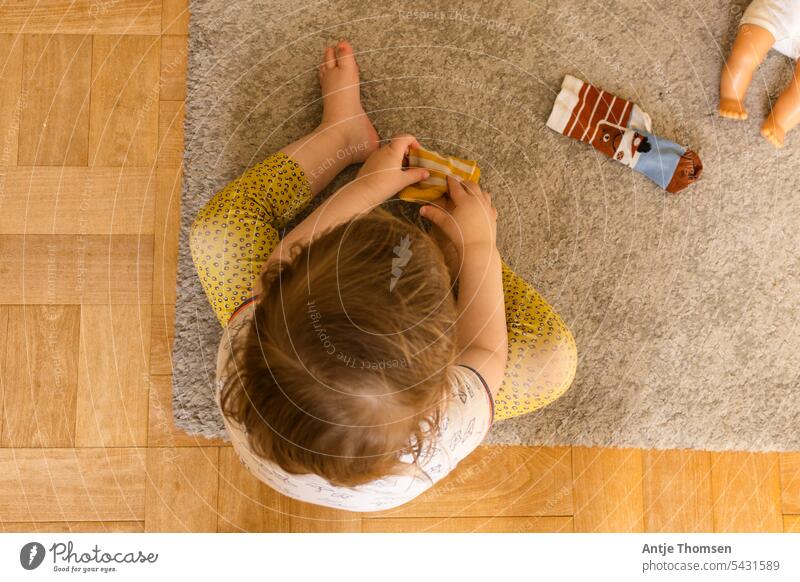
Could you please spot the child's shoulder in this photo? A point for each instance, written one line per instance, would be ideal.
(244, 311)
(467, 417)
(471, 391)
(231, 338)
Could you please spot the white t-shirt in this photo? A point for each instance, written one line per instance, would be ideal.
(464, 424)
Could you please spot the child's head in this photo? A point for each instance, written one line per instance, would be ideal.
(347, 361)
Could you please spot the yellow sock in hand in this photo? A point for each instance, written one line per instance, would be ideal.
(440, 167)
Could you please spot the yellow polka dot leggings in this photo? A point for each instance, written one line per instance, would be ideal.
(236, 231)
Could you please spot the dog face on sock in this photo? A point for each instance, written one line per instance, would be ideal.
(607, 138)
(639, 143)
(610, 136)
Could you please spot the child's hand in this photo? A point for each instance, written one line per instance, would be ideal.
(466, 216)
(383, 173)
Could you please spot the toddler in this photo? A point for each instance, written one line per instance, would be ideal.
(350, 374)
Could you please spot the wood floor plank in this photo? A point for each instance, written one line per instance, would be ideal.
(246, 504)
(175, 16)
(608, 490)
(124, 112)
(791, 523)
(165, 240)
(162, 332)
(3, 373)
(81, 16)
(298, 517)
(10, 96)
(468, 525)
(677, 491)
(746, 491)
(72, 484)
(70, 269)
(170, 134)
(174, 58)
(77, 200)
(54, 124)
(40, 364)
(790, 482)
(162, 431)
(499, 481)
(113, 376)
(182, 489)
(72, 527)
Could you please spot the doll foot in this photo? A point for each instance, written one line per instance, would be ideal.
(732, 109)
(773, 132)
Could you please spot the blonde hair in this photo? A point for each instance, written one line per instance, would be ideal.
(345, 366)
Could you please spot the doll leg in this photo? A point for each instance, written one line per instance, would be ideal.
(749, 49)
(785, 113)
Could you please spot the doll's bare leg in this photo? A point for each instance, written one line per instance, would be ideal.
(749, 49)
(785, 113)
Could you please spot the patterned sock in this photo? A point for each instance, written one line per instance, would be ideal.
(440, 167)
(621, 130)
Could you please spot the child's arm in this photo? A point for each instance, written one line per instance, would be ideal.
(381, 177)
(468, 218)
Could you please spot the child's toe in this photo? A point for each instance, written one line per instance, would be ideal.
(330, 58)
(344, 54)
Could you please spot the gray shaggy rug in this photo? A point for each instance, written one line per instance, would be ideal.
(684, 307)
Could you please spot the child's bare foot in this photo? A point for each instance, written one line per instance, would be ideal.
(771, 130)
(341, 102)
(732, 108)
